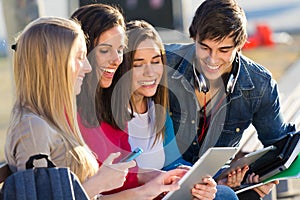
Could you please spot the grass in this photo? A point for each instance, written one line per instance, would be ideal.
(6, 100)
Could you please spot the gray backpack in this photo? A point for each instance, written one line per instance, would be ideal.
(42, 183)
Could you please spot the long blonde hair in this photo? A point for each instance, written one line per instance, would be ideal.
(44, 84)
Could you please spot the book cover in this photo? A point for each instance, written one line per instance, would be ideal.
(292, 172)
(279, 159)
(286, 165)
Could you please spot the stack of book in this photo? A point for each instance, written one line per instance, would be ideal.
(293, 171)
(276, 162)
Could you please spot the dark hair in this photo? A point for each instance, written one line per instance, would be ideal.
(137, 32)
(217, 19)
(94, 19)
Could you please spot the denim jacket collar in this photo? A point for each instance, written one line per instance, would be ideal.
(244, 81)
(185, 67)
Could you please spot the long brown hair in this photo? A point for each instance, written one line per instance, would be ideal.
(95, 19)
(137, 32)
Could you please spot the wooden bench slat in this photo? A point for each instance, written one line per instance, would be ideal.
(4, 172)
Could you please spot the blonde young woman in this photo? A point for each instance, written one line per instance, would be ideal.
(49, 65)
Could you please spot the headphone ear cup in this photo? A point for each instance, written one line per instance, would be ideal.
(203, 84)
(230, 84)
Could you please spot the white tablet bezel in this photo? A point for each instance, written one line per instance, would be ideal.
(207, 165)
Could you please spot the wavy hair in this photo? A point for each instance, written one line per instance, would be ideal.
(95, 19)
(137, 32)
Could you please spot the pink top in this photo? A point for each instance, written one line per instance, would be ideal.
(105, 140)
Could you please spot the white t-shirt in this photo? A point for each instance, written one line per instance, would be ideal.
(141, 131)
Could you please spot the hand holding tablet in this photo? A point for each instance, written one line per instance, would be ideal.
(243, 161)
(207, 165)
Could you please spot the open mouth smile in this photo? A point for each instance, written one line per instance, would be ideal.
(108, 70)
(213, 67)
(147, 83)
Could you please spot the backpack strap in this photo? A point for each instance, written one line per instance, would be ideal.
(29, 163)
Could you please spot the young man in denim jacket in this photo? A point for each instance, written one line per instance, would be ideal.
(215, 91)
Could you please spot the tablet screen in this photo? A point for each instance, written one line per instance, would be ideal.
(207, 165)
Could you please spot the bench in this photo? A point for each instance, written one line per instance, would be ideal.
(4, 173)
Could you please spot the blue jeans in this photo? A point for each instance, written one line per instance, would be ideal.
(224, 192)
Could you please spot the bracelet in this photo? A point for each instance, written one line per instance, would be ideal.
(98, 197)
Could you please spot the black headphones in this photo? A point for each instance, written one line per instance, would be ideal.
(203, 83)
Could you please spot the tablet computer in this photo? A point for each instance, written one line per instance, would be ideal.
(245, 160)
(207, 165)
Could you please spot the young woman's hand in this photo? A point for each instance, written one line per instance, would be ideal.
(114, 175)
(108, 177)
(205, 190)
(184, 167)
(147, 175)
(165, 182)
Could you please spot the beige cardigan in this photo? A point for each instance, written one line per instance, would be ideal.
(31, 136)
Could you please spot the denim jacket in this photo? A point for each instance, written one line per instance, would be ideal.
(254, 100)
